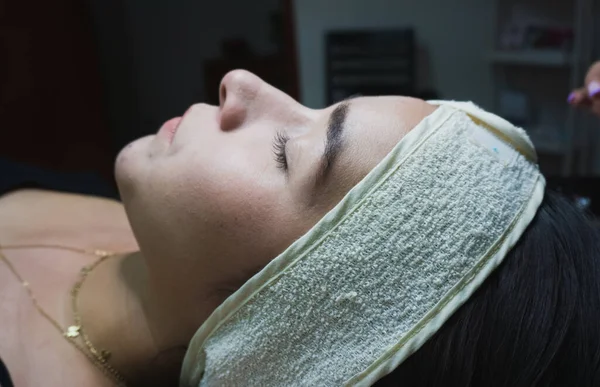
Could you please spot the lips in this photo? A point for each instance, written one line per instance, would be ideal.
(169, 128)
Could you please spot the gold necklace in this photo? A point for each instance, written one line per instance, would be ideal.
(97, 357)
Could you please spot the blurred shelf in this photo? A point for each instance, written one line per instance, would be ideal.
(542, 58)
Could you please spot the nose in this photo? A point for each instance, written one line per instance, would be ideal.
(244, 97)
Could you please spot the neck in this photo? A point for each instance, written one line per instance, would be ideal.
(145, 326)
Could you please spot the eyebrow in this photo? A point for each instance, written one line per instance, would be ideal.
(333, 143)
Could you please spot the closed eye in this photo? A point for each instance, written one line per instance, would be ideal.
(279, 143)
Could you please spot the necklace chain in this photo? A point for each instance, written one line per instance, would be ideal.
(97, 357)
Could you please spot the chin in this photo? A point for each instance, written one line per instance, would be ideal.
(131, 161)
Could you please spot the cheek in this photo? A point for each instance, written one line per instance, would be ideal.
(248, 220)
(228, 197)
(244, 226)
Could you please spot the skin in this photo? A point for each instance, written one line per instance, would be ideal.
(588, 96)
(210, 207)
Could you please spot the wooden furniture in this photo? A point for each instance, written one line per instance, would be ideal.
(51, 108)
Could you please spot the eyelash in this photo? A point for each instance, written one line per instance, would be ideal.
(279, 150)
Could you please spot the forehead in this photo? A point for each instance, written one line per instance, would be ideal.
(393, 114)
(374, 125)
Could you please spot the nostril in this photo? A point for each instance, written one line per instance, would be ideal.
(222, 94)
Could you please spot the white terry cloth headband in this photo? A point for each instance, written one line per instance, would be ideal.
(381, 272)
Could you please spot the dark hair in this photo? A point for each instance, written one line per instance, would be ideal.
(534, 322)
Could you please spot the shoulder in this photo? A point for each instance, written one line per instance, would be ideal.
(38, 216)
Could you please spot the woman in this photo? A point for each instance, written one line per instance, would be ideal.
(211, 200)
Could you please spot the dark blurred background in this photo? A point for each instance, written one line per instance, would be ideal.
(81, 79)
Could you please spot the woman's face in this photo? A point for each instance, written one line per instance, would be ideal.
(224, 189)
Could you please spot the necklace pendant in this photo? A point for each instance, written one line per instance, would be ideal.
(72, 331)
